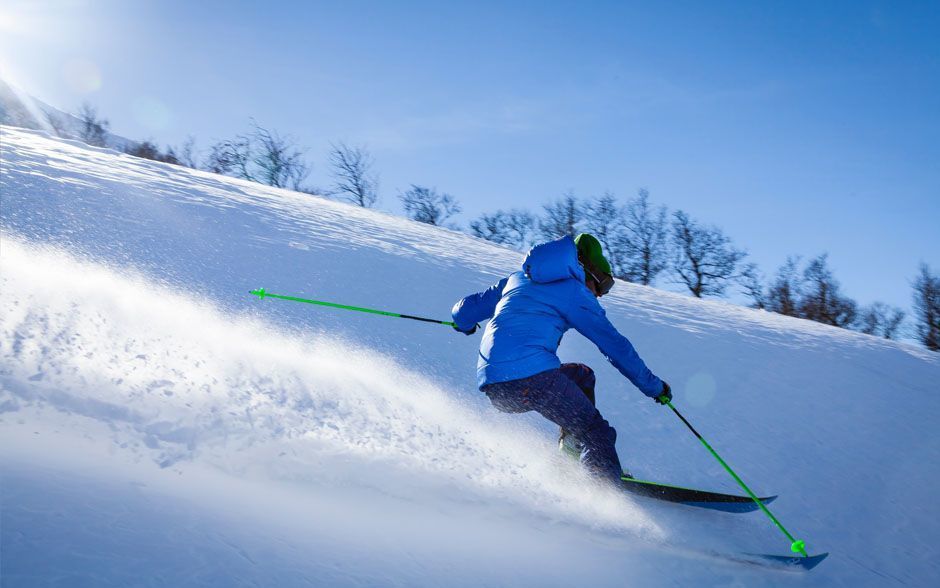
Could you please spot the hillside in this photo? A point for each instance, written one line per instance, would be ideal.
(159, 425)
(19, 109)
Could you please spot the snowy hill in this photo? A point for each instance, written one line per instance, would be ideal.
(159, 426)
(19, 109)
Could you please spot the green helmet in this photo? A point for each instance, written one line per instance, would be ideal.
(595, 264)
(590, 252)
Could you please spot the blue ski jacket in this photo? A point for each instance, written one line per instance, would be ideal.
(532, 309)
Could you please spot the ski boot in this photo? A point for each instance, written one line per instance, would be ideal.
(569, 445)
(572, 447)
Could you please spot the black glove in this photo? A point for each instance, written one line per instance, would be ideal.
(665, 396)
(470, 332)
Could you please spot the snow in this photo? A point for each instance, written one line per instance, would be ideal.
(17, 108)
(160, 426)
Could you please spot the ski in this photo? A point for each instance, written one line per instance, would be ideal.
(693, 497)
(790, 561)
(782, 563)
(795, 563)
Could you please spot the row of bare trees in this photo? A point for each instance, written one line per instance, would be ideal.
(265, 156)
(260, 155)
(644, 242)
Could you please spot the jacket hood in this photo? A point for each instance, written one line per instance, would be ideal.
(553, 261)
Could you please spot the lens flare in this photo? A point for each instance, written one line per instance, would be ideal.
(82, 75)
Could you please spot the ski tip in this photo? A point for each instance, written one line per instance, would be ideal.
(769, 499)
(792, 561)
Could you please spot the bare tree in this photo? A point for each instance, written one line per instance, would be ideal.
(752, 282)
(491, 227)
(188, 155)
(881, 320)
(520, 227)
(893, 325)
(822, 302)
(352, 170)
(93, 130)
(927, 307)
(169, 156)
(602, 216)
(704, 259)
(784, 294)
(427, 205)
(231, 157)
(561, 217)
(278, 161)
(261, 156)
(217, 160)
(513, 228)
(146, 149)
(644, 243)
(150, 150)
(813, 293)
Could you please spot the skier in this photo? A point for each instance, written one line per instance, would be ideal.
(518, 368)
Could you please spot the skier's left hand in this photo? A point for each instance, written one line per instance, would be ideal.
(665, 396)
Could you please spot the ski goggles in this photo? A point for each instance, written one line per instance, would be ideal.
(603, 283)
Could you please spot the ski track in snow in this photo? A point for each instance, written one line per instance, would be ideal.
(265, 442)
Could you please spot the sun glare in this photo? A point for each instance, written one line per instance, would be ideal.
(12, 22)
(36, 19)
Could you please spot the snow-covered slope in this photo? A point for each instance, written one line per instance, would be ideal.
(159, 426)
(19, 109)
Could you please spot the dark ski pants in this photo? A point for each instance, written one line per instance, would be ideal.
(565, 396)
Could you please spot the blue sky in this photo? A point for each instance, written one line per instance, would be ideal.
(799, 127)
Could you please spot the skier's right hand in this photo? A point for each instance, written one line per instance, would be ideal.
(470, 332)
(665, 396)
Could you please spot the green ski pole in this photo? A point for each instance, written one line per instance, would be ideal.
(796, 546)
(262, 294)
